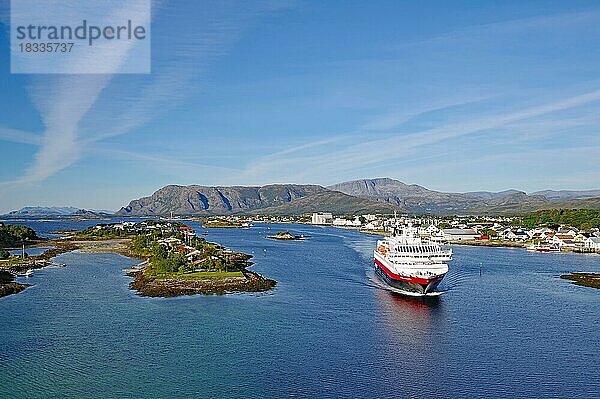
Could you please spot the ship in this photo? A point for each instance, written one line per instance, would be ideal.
(410, 264)
(543, 247)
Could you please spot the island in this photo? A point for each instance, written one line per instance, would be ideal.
(584, 279)
(177, 262)
(174, 260)
(286, 235)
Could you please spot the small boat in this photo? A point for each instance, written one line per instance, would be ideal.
(543, 248)
(547, 248)
(28, 273)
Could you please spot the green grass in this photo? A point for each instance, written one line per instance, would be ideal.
(216, 275)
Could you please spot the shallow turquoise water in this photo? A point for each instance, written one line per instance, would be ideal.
(328, 329)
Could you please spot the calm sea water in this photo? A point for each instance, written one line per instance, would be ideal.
(506, 326)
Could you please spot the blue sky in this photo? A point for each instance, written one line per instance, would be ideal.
(454, 96)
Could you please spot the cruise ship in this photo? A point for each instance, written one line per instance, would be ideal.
(410, 264)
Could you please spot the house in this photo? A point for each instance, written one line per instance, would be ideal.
(374, 225)
(459, 234)
(322, 218)
(515, 235)
(581, 237)
(592, 243)
(568, 231)
(369, 217)
(564, 240)
(347, 222)
(430, 230)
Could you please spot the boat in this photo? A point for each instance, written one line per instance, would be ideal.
(410, 264)
(543, 248)
(547, 248)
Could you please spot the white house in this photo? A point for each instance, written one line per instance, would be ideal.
(346, 222)
(564, 240)
(592, 243)
(322, 218)
(515, 235)
(369, 217)
(430, 230)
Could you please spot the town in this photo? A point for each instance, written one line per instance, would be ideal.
(474, 230)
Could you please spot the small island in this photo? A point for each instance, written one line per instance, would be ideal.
(286, 235)
(176, 262)
(583, 279)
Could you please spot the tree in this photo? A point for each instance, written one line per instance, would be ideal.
(4, 254)
(490, 233)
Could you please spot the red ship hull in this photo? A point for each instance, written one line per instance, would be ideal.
(409, 284)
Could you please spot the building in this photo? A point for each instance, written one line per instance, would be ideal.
(370, 218)
(564, 240)
(322, 218)
(347, 222)
(592, 244)
(459, 234)
(514, 235)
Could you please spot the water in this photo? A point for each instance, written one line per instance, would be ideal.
(329, 329)
(30, 251)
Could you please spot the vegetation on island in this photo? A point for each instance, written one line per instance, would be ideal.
(286, 235)
(177, 262)
(12, 236)
(580, 218)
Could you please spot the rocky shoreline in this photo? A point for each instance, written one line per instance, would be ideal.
(287, 236)
(8, 285)
(591, 280)
(168, 288)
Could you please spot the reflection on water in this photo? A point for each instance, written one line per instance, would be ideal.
(403, 315)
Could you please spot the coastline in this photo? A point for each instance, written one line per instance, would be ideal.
(167, 288)
(591, 280)
(143, 285)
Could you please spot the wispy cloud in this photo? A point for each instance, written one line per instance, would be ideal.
(78, 110)
(20, 136)
(518, 25)
(362, 152)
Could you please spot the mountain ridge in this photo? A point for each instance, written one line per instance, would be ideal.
(366, 195)
(55, 211)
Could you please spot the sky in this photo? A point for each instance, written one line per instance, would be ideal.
(454, 96)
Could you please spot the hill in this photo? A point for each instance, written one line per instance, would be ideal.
(580, 218)
(330, 201)
(418, 199)
(14, 236)
(359, 196)
(53, 211)
(203, 200)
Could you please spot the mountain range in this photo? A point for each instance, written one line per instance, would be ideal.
(380, 195)
(55, 211)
